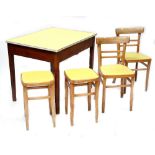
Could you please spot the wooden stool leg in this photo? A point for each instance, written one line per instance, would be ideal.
(96, 100)
(147, 75)
(49, 94)
(51, 102)
(103, 95)
(136, 72)
(26, 107)
(89, 96)
(53, 105)
(131, 93)
(72, 104)
(66, 96)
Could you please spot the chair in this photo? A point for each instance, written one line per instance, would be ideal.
(112, 71)
(135, 57)
(81, 77)
(38, 80)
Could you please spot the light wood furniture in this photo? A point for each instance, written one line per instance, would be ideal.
(38, 80)
(53, 45)
(135, 56)
(114, 70)
(81, 77)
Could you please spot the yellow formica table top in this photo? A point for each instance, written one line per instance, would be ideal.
(52, 39)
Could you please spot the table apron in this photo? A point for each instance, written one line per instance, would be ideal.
(31, 53)
(75, 49)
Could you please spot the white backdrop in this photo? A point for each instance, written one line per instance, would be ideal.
(118, 131)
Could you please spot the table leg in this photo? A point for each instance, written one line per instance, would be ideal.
(51, 67)
(12, 76)
(91, 58)
(55, 69)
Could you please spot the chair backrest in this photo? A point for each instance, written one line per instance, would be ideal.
(118, 53)
(134, 40)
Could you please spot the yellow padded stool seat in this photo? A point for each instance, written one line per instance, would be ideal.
(136, 56)
(81, 74)
(114, 70)
(37, 77)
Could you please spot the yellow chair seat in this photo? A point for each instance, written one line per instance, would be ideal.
(81, 74)
(116, 70)
(36, 77)
(136, 56)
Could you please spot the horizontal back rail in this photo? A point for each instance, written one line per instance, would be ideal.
(129, 30)
(112, 40)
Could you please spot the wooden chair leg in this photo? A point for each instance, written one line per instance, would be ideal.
(114, 80)
(147, 75)
(66, 96)
(89, 96)
(103, 95)
(136, 72)
(131, 93)
(96, 100)
(26, 107)
(52, 103)
(122, 88)
(126, 64)
(72, 104)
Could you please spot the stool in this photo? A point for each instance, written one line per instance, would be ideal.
(38, 80)
(81, 77)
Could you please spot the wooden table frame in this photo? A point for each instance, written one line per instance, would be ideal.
(49, 56)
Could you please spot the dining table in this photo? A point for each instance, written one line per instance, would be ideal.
(52, 45)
